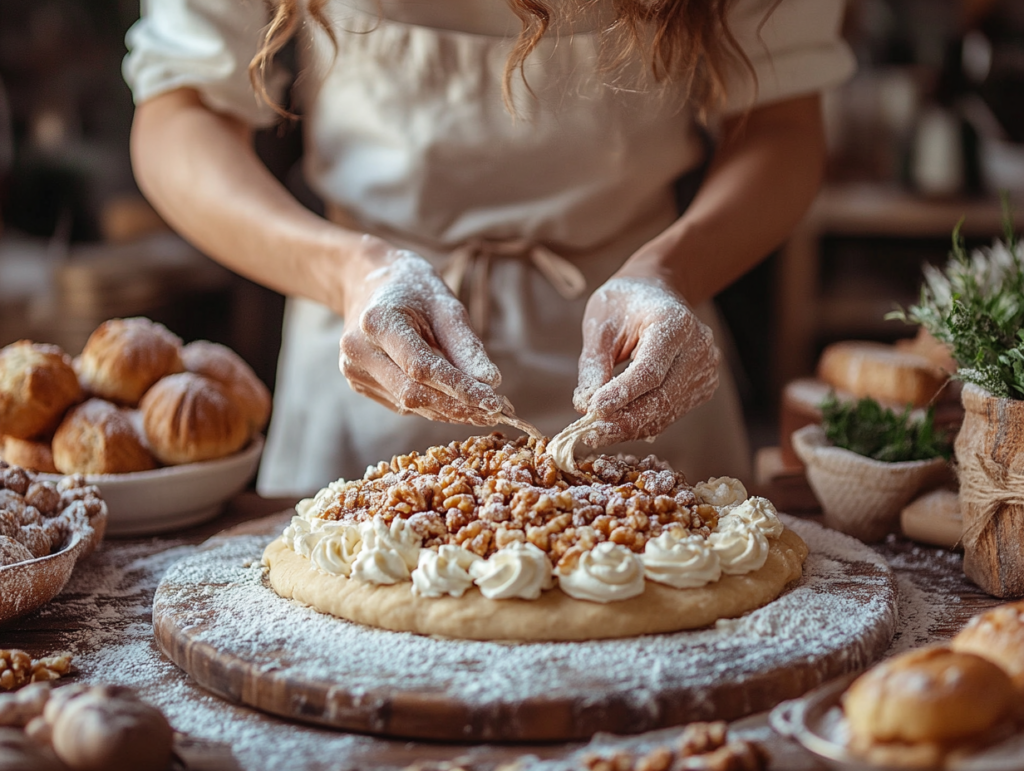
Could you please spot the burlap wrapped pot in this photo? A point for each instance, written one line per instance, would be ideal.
(861, 496)
(990, 465)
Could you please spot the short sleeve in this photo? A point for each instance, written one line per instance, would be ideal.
(795, 49)
(206, 45)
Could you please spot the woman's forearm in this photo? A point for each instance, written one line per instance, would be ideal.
(199, 171)
(762, 179)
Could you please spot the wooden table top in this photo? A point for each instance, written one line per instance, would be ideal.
(104, 619)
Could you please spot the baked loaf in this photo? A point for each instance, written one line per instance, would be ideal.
(26, 453)
(220, 363)
(37, 385)
(98, 437)
(881, 372)
(189, 418)
(997, 635)
(920, 704)
(124, 357)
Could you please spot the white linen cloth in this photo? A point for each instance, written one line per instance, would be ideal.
(408, 138)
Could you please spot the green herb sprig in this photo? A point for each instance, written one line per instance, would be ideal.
(976, 306)
(867, 428)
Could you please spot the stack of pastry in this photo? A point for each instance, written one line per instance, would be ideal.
(930, 706)
(135, 399)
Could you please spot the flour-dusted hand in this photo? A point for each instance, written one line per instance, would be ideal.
(674, 365)
(407, 343)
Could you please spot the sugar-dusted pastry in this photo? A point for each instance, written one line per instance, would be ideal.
(919, 706)
(124, 357)
(997, 635)
(189, 418)
(220, 363)
(12, 552)
(34, 455)
(98, 437)
(37, 385)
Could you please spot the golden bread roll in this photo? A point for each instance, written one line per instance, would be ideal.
(189, 418)
(997, 635)
(98, 437)
(220, 363)
(929, 695)
(124, 357)
(37, 385)
(37, 456)
(881, 372)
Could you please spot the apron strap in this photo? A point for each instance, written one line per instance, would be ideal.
(473, 258)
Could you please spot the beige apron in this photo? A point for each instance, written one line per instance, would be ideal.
(425, 154)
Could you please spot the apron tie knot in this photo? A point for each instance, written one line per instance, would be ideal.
(472, 259)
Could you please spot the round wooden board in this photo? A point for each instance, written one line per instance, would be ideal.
(215, 616)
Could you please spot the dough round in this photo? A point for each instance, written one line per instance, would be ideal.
(99, 438)
(37, 385)
(997, 635)
(929, 695)
(554, 616)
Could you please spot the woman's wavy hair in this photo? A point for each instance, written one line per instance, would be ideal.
(682, 41)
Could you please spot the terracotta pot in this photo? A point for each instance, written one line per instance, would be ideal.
(861, 496)
(990, 460)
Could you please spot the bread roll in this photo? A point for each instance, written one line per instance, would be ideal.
(37, 385)
(997, 635)
(881, 372)
(189, 418)
(109, 728)
(220, 363)
(928, 695)
(37, 456)
(98, 437)
(124, 357)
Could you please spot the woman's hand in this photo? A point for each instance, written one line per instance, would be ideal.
(674, 365)
(407, 343)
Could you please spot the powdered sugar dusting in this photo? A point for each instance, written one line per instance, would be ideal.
(839, 615)
(105, 617)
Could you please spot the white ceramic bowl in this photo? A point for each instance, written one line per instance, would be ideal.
(173, 497)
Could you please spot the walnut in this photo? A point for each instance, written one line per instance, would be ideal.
(699, 738)
(17, 668)
(18, 709)
(35, 539)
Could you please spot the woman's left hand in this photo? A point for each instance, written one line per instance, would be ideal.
(674, 365)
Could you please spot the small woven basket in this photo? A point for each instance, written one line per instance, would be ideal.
(861, 496)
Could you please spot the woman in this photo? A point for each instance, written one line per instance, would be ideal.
(527, 151)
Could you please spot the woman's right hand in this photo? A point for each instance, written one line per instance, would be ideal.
(407, 343)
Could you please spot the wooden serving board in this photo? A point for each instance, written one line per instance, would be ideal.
(215, 616)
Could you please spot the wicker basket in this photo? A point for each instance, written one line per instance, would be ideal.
(861, 496)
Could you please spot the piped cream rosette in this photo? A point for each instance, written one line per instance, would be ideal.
(380, 553)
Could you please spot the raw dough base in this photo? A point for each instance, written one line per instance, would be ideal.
(554, 616)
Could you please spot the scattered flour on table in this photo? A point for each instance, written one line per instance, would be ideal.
(108, 610)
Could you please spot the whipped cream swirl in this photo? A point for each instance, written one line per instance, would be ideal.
(520, 570)
(741, 547)
(445, 571)
(389, 554)
(337, 549)
(721, 492)
(302, 536)
(606, 573)
(686, 562)
(755, 511)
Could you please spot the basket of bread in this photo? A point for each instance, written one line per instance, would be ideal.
(168, 432)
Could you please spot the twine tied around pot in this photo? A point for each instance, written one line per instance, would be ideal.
(985, 487)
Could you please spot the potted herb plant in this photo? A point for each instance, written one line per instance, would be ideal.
(975, 305)
(866, 462)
